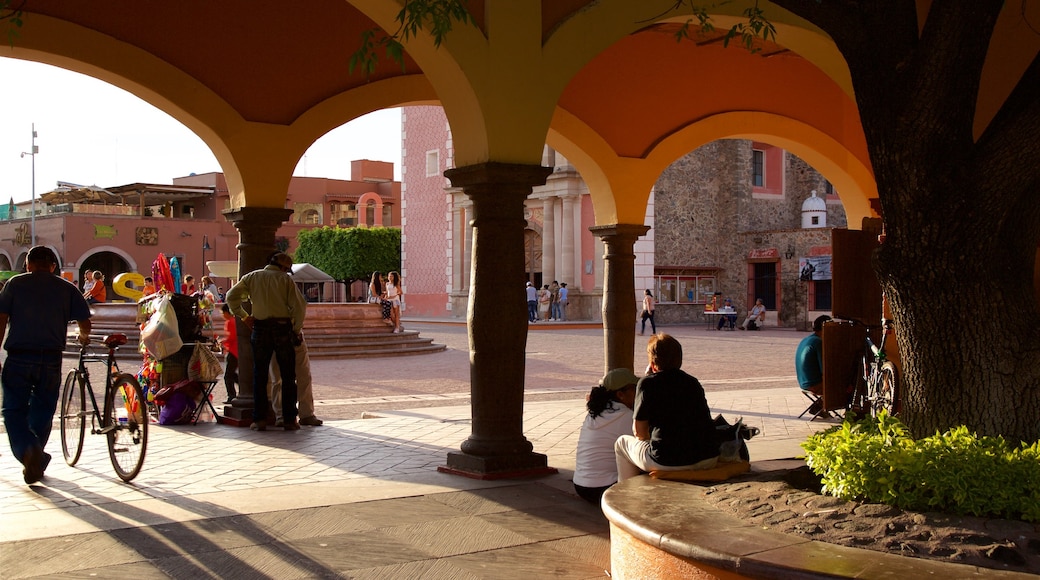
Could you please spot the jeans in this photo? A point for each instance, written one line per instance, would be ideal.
(648, 314)
(273, 339)
(532, 310)
(556, 311)
(31, 386)
(231, 375)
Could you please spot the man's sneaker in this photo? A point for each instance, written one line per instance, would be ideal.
(294, 426)
(33, 462)
(312, 421)
(259, 426)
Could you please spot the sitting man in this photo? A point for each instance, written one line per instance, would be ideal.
(755, 317)
(731, 318)
(672, 423)
(808, 364)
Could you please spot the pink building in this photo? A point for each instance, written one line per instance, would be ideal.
(436, 236)
(123, 229)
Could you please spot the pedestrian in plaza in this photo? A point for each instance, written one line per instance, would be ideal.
(377, 295)
(544, 301)
(395, 295)
(610, 416)
(808, 366)
(149, 286)
(229, 343)
(729, 318)
(564, 293)
(554, 303)
(96, 294)
(88, 280)
(648, 312)
(303, 383)
(532, 303)
(38, 306)
(276, 324)
(207, 285)
(188, 287)
(673, 428)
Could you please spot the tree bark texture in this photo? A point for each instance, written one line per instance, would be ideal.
(962, 221)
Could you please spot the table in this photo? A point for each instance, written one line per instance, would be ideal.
(712, 323)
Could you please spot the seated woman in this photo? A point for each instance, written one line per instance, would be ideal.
(610, 416)
(96, 293)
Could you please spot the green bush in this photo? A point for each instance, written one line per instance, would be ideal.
(954, 472)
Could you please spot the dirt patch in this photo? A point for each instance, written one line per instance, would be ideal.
(784, 501)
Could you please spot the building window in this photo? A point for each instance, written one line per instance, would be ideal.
(311, 217)
(820, 295)
(685, 289)
(433, 163)
(388, 215)
(345, 215)
(758, 170)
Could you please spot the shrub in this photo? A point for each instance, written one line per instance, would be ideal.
(953, 472)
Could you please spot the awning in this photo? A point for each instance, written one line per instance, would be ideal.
(308, 273)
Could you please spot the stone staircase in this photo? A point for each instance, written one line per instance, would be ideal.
(332, 330)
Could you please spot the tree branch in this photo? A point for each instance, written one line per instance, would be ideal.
(1005, 148)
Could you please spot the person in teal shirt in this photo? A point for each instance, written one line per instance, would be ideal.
(808, 358)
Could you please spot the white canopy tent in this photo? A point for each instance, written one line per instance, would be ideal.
(307, 277)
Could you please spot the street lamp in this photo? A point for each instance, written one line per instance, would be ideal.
(34, 152)
(205, 248)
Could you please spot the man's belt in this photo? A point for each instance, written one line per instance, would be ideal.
(273, 321)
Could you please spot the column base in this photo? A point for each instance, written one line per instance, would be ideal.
(237, 416)
(497, 466)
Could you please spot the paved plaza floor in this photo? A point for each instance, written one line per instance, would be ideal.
(357, 498)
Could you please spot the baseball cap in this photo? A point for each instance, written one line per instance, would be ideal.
(528, 283)
(617, 379)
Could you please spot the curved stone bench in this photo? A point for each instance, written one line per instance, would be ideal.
(665, 529)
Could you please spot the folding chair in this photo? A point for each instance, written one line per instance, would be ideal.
(207, 390)
(814, 400)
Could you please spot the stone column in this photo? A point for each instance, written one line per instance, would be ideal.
(567, 272)
(548, 240)
(458, 243)
(619, 289)
(256, 231)
(497, 322)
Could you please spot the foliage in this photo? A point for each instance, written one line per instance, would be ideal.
(13, 14)
(756, 26)
(440, 15)
(350, 253)
(953, 472)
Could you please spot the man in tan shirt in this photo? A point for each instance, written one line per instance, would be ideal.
(276, 326)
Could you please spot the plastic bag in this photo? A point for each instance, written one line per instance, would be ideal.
(178, 409)
(160, 335)
(203, 364)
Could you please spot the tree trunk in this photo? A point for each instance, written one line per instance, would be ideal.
(961, 219)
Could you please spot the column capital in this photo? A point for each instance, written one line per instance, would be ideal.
(632, 231)
(258, 216)
(493, 176)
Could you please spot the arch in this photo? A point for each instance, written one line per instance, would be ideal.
(5, 261)
(374, 200)
(131, 263)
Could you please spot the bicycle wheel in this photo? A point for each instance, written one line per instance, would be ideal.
(886, 394)
(73, 411)
(128, 436)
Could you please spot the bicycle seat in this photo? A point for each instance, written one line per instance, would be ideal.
(114, 340)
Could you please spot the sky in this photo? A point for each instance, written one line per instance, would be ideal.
(92, 133)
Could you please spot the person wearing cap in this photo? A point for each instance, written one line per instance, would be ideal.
(610, 416)
(672, 424)
(38, 305)
(727, 306)
(532, 303)
(276, 326)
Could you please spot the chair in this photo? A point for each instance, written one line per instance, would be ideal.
(207, 390)
(814, 401)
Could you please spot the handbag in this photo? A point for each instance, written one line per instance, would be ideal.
(203, 364)
(731, 438)
(160, 335)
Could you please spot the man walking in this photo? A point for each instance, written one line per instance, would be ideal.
(38, 305)
(276, 325)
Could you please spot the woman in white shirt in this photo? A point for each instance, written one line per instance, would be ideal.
(394, 295)
(610, 416)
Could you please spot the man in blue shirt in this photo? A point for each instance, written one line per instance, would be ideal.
(808, 362)
(38, 305)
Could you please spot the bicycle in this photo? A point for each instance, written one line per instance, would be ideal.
(123, 418)
(879, 389)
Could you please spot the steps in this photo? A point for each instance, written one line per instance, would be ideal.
(332, 330)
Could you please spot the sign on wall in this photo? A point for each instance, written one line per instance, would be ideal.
(814, 268)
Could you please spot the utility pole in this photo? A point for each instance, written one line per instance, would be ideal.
(33, 152)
